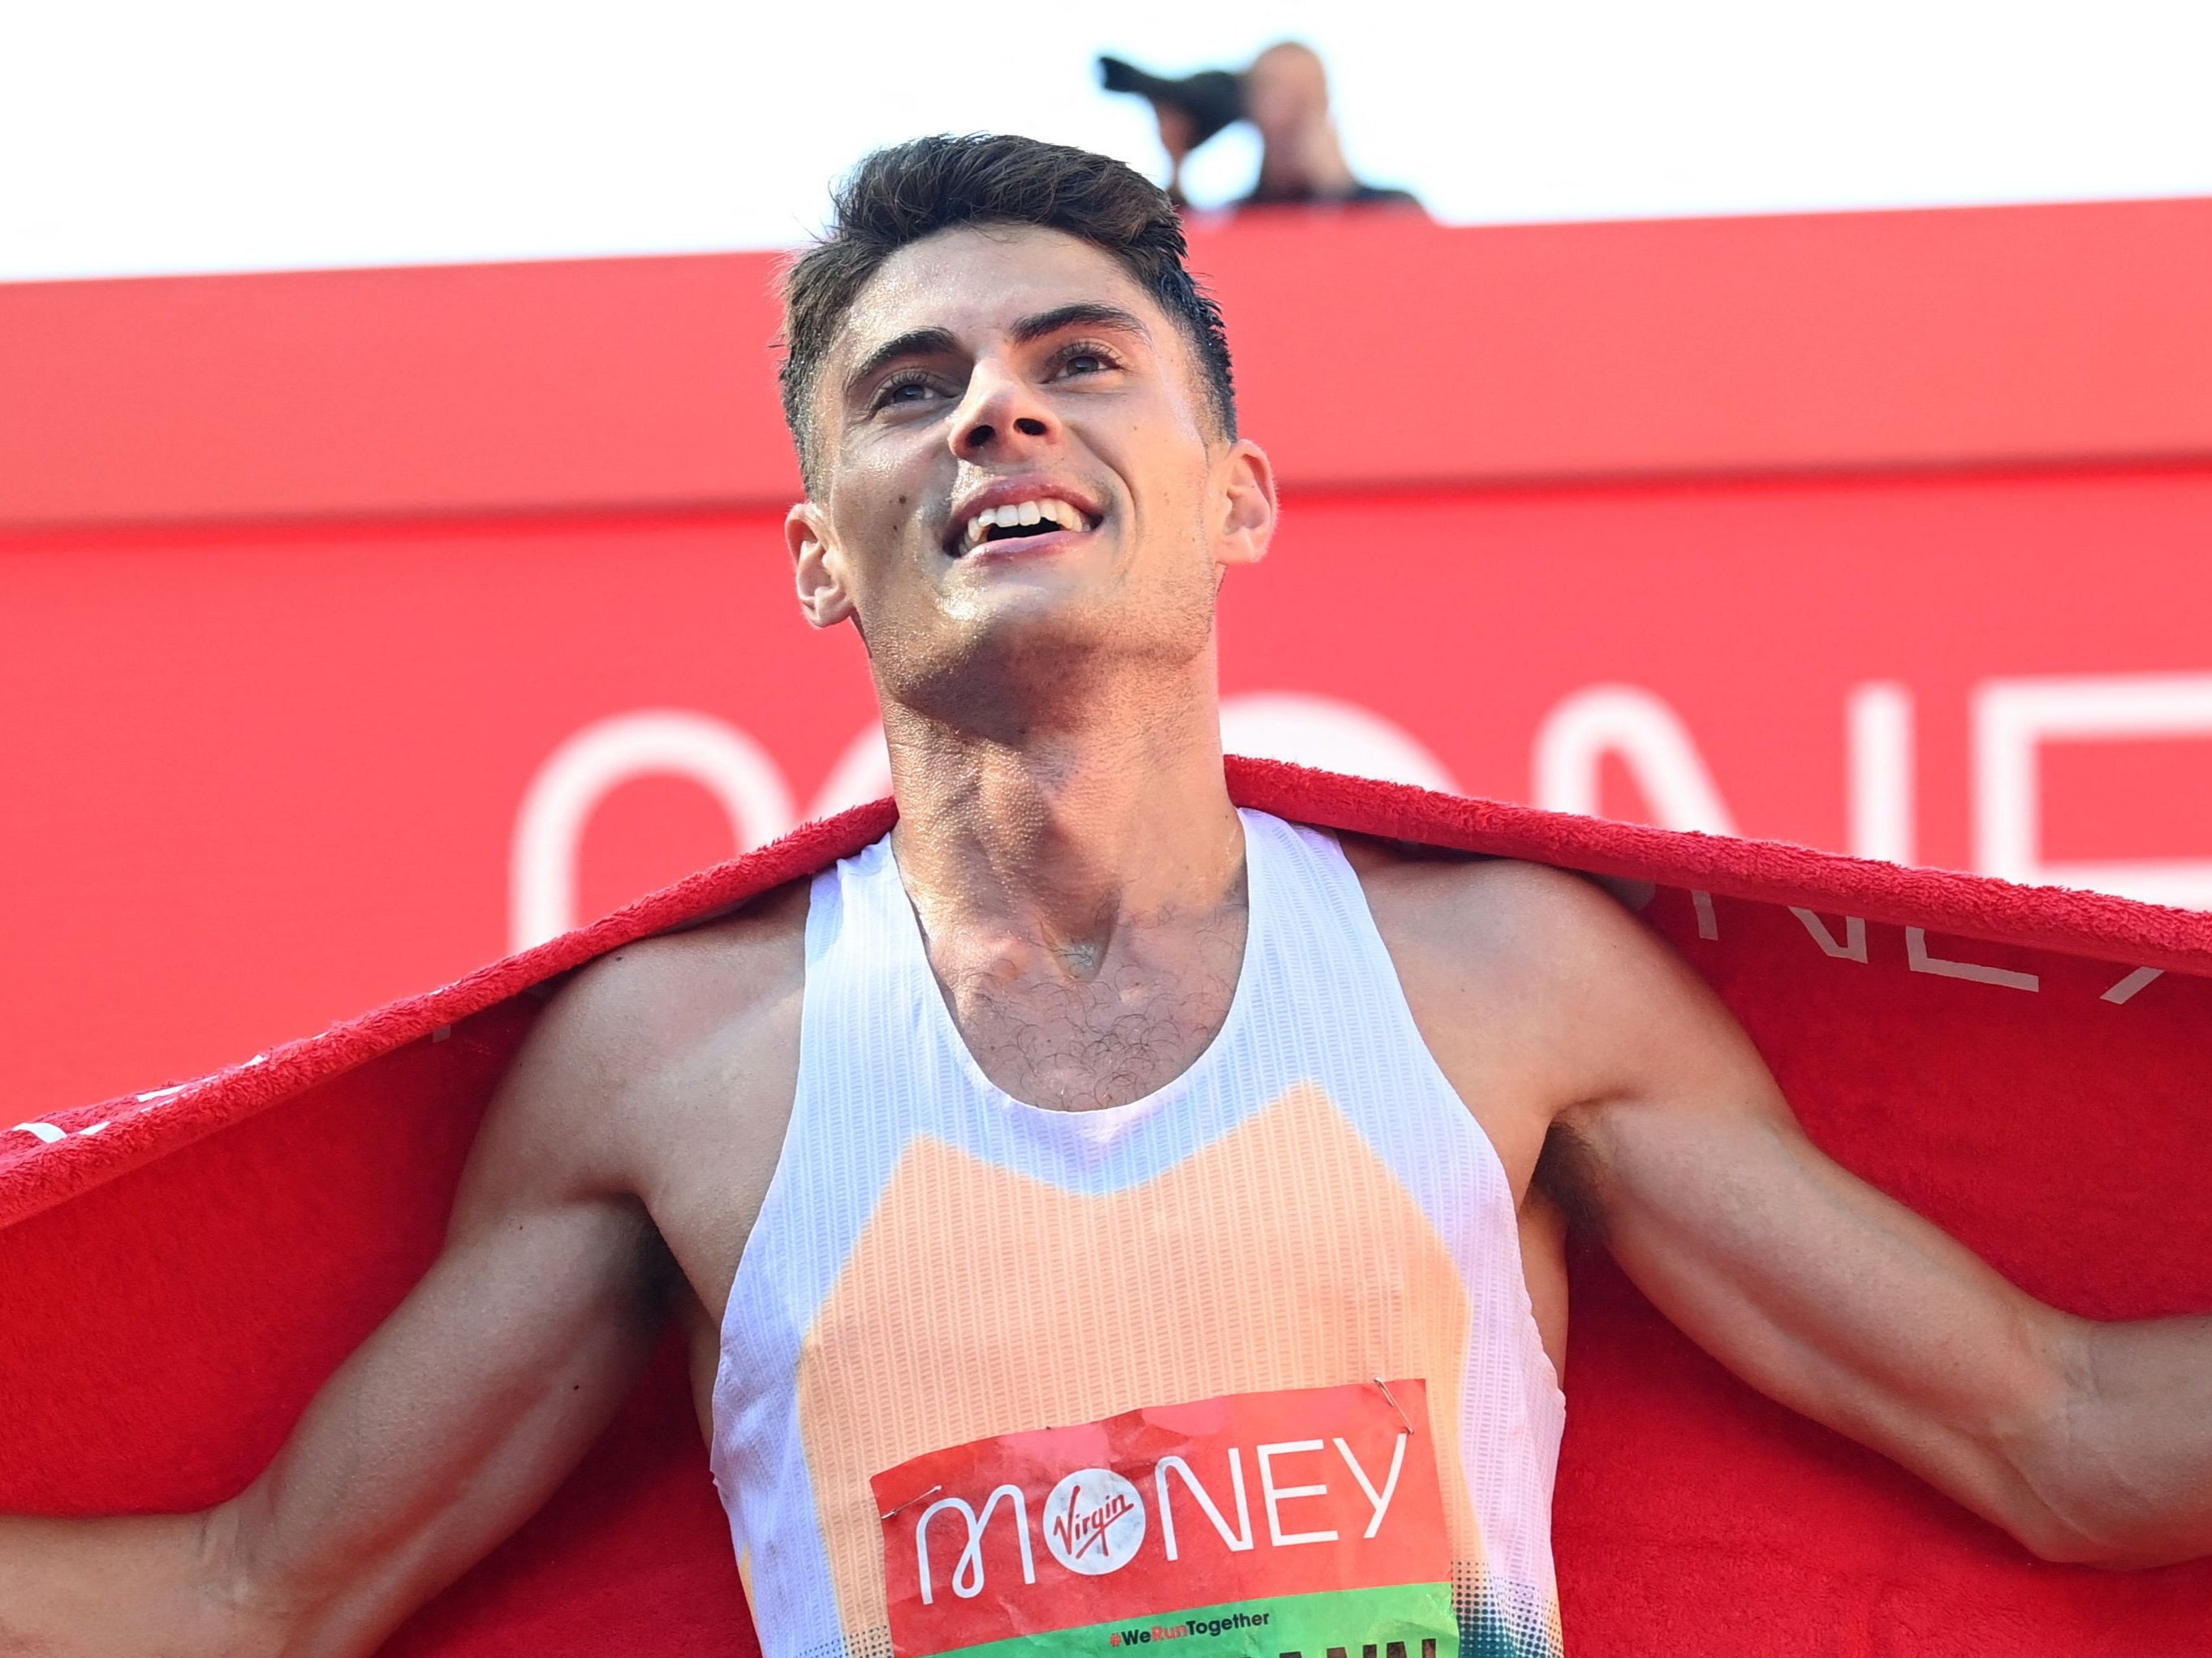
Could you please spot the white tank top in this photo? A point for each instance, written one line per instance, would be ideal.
(937, 1264)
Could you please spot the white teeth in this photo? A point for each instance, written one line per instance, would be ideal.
(1046, 509)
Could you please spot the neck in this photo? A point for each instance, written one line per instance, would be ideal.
(1061, 835)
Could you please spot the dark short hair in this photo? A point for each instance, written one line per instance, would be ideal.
(901, 194)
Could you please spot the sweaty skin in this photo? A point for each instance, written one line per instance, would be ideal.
(1076, 869)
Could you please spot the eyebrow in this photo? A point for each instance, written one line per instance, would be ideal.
(938, 342)
(1082, 314)
(915, 342)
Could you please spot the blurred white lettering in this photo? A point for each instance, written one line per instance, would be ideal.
(577, 775)
(2013, 719)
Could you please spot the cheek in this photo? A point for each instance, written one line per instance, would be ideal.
(874, 507)
(1167, 471)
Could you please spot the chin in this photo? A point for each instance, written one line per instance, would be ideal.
(999, 663)
(1050, 595)
(1033, 627)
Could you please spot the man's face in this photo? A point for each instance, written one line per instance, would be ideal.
(1002, 372)
(1286, 96)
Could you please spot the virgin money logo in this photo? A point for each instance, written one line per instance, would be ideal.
(1093, 1521)
(1112, 1525)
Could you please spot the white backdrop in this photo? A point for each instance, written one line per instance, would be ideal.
(144, 136)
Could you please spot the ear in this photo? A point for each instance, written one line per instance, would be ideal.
(817, 568)
(1249, 512)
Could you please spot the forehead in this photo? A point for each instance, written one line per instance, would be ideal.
(976, 283)
(1287, 68)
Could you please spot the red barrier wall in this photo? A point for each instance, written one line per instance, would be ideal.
(354, 625)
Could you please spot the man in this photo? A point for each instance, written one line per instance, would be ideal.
(1284, 95)
(1092, 1204)
(1302, 162)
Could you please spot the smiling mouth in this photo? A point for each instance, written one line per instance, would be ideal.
(1019, 520)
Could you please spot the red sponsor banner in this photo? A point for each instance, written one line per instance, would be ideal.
(258, 780)
(357, 627)
(1232, 1500)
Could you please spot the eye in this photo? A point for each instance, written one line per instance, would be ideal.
(1087, 358)
(908, 387)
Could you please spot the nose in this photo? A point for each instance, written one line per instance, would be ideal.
(1001, 414)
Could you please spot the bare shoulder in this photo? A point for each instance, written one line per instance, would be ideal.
(614, 1053)
(1534, 988)
(1549, 929)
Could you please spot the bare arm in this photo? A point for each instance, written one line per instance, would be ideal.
(2088, 1441)
(438, 1437)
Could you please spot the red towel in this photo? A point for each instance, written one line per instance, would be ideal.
(2002, 1059)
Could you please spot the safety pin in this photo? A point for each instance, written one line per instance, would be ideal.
(1394, 1405)
(911, 1501)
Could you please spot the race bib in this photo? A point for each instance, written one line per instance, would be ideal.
(1306, 1521)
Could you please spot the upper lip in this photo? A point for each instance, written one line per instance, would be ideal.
(1011, 492)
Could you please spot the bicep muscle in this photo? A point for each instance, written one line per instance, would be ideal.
(455, 1420)
(1810, 1284)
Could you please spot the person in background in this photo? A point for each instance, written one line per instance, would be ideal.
(1300, 159)
(1285, 94)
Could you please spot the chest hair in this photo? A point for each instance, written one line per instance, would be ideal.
(1053, 1035)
